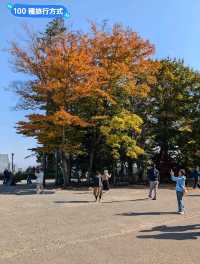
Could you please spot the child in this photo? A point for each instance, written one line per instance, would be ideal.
(97, 191)
(180, 189)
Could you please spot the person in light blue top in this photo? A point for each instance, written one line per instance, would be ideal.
(180, 189)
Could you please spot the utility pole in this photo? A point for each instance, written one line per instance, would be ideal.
(12, 162)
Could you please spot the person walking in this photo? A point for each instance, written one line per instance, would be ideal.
(105, 180)
(180, 189)
(29, 179)
(196, 175)
(97, 187)
(39, 180)
(6, 176)
(153, 177)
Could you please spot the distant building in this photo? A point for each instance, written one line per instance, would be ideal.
(4, 162)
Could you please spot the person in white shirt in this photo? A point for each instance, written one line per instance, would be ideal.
(105, 179)
(39, 180)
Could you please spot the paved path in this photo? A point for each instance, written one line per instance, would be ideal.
(67, 227)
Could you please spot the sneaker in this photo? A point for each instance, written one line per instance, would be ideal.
(182, 212)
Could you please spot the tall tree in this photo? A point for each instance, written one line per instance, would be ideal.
(79, 84)
(171, 113)
(125, 72)
(53, 34)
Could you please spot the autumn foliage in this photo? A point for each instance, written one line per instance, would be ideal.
(82, 86)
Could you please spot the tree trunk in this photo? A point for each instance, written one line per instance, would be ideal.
(141, 169)
(91, 163)
(44, 169)
(114, 172)
(65, 168)
(69, 167)
(58, 176)
(164, 164)
(131, 178)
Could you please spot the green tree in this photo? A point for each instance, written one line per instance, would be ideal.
(171, 114)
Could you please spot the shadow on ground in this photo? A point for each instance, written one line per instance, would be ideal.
(107, 202)
(21, 189)
(146, 213)
(193, 195)
(172, 232)
(164, 228)
(73, 202)
(123, 201)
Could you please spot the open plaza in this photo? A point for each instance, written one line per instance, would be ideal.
(68, 227)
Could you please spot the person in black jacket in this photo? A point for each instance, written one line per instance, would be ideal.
(153, 177)
(196, 176)
(6, 176)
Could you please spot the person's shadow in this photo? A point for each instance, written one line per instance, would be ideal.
(146, 213)
(124, 201)
(73, 202)
(193, 195)
(172, 232)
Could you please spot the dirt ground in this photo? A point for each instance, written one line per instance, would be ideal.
(68, 227)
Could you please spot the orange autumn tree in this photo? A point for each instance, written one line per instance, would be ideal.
(56, 72)
(88, 78)
(125, 71)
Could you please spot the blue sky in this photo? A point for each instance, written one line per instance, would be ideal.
(173, 26)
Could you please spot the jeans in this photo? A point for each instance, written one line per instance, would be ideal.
(153, 188)
(180, 201)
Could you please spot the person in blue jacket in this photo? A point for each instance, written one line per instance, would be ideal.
(180, 189)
